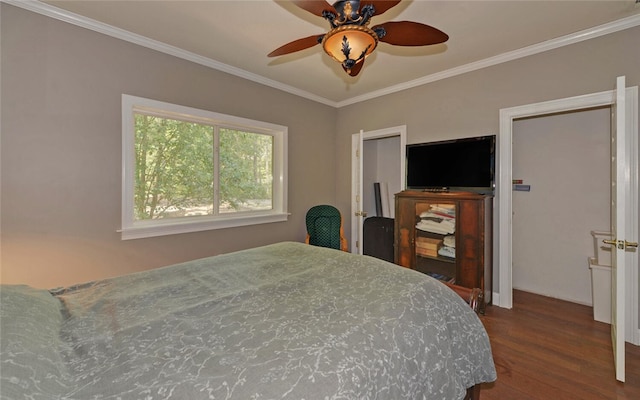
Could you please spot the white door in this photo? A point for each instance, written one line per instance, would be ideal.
(358, 215)
(619, 186)
(503, 239)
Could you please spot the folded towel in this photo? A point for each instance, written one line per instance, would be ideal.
(430, 226)
(450, 241)
(447, 251)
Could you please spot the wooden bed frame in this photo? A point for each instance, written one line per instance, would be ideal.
(473, 393)
(473, 297)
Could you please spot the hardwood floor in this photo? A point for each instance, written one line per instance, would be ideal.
(551, 349)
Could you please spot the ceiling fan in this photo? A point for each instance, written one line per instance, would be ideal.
(350, 39)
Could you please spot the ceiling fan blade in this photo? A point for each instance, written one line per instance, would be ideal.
(315, 7)
(296, 45)
(407, 33)
(381, 6)
(355, 70)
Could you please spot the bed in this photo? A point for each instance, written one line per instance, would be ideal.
(282, 321)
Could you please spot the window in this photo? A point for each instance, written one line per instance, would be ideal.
(188, 170)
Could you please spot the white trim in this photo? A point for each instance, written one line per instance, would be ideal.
(356, 192)
(504, 194)
(399, 131)
(139, 232)
(591, 33)
(132, 229)
(495, 298)
(79, 20)
(632, 274)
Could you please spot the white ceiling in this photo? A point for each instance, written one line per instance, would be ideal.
(237, 35)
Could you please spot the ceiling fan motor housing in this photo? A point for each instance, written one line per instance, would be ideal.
(349, 12)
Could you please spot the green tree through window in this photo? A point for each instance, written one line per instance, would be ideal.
(175, 174)
(186, 169)
(246, 165)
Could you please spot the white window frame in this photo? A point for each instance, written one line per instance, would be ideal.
(132, 229)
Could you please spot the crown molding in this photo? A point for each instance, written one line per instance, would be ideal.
(88, 23)
(591, 33)
(100, 27)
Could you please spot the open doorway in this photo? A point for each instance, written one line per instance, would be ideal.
(376, 157)
(563, 162)
(381, 162)
(504, 194)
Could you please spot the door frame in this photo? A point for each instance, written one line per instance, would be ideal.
(504, 298)
(356, 165)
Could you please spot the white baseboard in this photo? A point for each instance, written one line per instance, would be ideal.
(495, 299)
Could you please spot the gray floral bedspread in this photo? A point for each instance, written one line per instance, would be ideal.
(284, 321)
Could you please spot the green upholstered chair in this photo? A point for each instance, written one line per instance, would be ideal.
(324, 227)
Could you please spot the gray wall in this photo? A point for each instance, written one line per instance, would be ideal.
(469, 104)
(61, 163)
(61, 151)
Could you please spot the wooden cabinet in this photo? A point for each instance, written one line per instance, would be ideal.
(447, 236)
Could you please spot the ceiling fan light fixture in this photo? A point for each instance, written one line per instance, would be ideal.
(350, 44)
(350, 40)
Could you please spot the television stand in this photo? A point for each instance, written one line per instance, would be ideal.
(446, 236)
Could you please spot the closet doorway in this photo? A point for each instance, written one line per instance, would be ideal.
(563, 161)
(504, 194)
(376, 157)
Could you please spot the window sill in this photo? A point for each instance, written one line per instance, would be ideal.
(162, 228)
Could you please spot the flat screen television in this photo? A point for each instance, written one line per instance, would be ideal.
(461, 164)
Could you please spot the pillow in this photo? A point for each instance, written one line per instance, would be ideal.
(30, 362)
